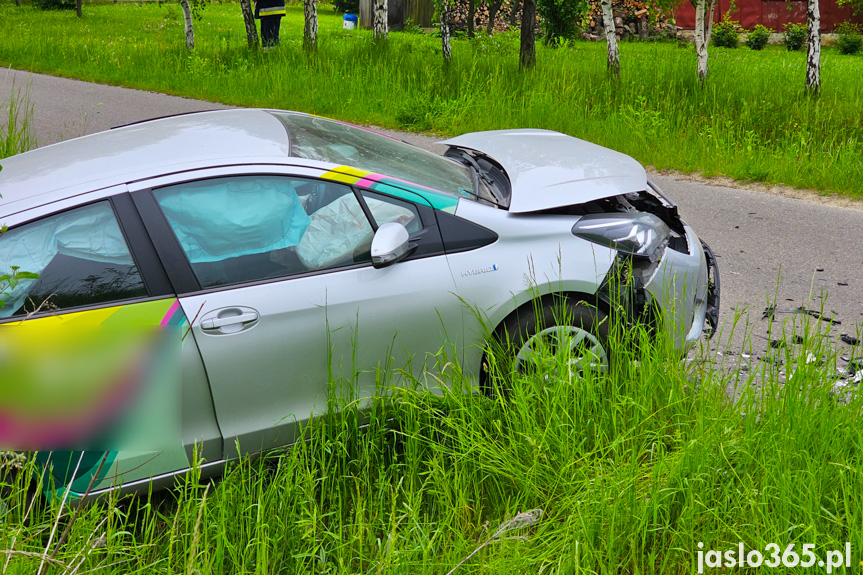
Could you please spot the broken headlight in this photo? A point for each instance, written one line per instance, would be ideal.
(638, 234)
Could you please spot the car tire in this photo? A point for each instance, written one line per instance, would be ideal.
(576, 324)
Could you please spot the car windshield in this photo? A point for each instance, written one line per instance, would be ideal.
(339, 143)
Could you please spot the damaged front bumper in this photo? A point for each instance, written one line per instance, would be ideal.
(712, 313)
(680, 292)
(685, 289)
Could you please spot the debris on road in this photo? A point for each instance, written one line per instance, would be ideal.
(771, 310)
(849, 339)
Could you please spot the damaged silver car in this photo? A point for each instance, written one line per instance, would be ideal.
(201, 278)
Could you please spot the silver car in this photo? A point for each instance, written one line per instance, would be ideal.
(185, 288)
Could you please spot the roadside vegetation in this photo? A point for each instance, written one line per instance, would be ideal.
(751, 120)
(574, 472)
(16, 135)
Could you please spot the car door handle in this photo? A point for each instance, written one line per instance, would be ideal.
(220, 322)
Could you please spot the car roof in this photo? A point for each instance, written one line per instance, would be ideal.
(139, 151)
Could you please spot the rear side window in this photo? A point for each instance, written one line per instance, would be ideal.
(247, 228)
(81, 258)
(385, 209)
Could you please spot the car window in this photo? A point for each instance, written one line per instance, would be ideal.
(81, 258)
(316, 138)
(386, 209)
(248, 228)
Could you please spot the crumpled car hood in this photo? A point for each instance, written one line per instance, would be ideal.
(549, 169)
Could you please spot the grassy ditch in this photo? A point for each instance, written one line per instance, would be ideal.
(630, 469)
(751, 121)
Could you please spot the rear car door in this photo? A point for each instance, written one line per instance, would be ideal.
(274, 273)
(91, 369)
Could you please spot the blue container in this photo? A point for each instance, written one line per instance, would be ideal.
(350, 21)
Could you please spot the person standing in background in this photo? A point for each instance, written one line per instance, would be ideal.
(270, 13)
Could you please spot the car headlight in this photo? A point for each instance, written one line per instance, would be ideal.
(640, 234)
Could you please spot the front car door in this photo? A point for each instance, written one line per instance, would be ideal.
(274, 272)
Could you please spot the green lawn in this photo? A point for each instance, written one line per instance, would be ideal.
(751, 120)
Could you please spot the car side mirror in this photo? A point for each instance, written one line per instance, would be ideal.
(390, 245)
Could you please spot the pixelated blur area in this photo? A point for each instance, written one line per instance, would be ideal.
(89, 387)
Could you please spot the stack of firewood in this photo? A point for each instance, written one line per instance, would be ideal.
(508, 15)
(631, 18)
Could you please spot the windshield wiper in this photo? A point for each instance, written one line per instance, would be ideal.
(480, 175)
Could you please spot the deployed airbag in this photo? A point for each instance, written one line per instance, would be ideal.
(224, 218)
(90, 233)
(339, 232)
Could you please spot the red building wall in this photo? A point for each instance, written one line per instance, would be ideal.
(771, 13)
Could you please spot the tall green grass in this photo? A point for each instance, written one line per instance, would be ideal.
(631, 469)
(16, 132)
(752, 119)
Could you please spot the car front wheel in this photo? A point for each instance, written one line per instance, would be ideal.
(535, 340)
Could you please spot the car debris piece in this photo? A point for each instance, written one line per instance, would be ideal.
(848, 339)
(842, 283)
(771, 310)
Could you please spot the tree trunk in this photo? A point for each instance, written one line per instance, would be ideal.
(527, 56)
(514, 6)
(444, 31)
(310, 31)
(813, 52)
(380, 19)
(249, 19)
(708, 32)
(492, 14)
(700, 45)
(17, 2)
(613, 59)
(187, 18)
(77, 7)
(471, 18)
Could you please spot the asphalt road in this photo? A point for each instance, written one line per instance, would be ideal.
(791, 251)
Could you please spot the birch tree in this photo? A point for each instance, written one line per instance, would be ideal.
(249, 19)
(446, 44)
(381, 28)
(813, 52)
(310, 31)
(190, 30)
(613, 59)
(700, 40)
(708, 23)
(527, 52)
